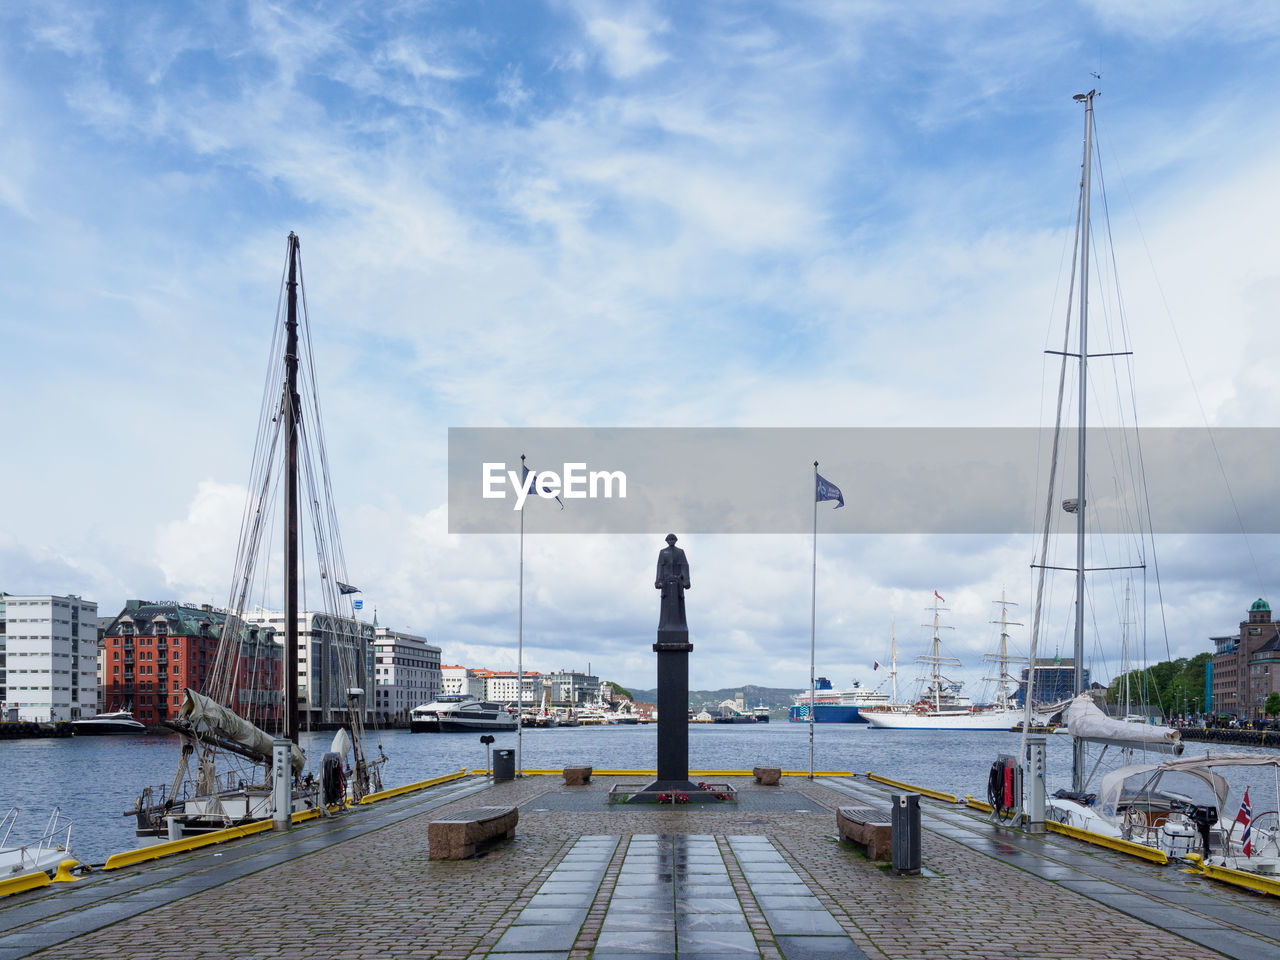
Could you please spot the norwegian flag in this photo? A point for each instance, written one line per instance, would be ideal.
(875, 665)
(1244, 817)
(939, 596)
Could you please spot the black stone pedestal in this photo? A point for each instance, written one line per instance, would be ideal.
(673, 649)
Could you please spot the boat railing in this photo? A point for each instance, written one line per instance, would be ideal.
(36, 855)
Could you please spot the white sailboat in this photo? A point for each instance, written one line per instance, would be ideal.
(938, 711)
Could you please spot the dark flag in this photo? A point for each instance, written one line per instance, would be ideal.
(524, 481)
(345, 588)
(829, 491)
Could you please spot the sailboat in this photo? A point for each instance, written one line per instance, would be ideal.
(943, 707)
(258, 679)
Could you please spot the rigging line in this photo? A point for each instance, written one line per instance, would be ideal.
(1195, 390)
(1148, 531)
(1125, 342)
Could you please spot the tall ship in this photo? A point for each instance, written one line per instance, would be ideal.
(943, 706)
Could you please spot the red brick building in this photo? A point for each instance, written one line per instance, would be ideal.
(152, 651)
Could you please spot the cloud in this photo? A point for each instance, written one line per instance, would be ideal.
(828, 213)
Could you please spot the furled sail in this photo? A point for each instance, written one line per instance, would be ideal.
(208, 716)
(1086, 722)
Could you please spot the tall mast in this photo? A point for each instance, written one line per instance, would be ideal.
(893, 663)
(1002, 658)
(1077, 757)
(293, 415)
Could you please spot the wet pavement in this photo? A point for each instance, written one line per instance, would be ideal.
(765, 877)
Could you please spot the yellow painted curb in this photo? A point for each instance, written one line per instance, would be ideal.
(412, 787)
(923, 791)
(154, 852)
(1237, 878)
(816, 773)
(28, 881)
(1113, 843)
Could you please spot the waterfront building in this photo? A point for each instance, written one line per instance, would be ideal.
(503, 686)
(328, 647)
(459, 681)
(103, 624)
(406, 674)
(570, 688)
(153, 650)
(1055, 680)
(48, 657)
(1246, 664)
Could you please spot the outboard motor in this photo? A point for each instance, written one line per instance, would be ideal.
(333, 783)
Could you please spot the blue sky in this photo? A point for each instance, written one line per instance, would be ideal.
(591, 213)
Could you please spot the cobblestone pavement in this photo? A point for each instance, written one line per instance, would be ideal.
(379, 897)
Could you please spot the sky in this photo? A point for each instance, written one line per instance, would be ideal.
(581, 213)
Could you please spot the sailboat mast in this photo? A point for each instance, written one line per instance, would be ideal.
(292, 413)
(893, 663)
(1077, 765)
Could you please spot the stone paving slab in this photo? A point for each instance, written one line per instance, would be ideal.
(377, 893)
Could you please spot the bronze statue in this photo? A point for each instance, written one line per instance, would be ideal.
(673, 580)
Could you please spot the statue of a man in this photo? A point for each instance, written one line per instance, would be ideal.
(673, 580)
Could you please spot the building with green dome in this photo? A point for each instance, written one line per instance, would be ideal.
(1246, 665)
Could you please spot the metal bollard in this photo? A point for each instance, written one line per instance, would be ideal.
(905, 821)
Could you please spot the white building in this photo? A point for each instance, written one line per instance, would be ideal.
(335, 656)
(503, 686)
(48, 657)
(463, 681)
(406, 674)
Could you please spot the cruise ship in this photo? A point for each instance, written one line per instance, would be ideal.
(837, 706)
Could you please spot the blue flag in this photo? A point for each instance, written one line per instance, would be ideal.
(524, 480)
(358, 604)
(829, 491)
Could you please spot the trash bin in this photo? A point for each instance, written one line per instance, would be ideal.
(504, 764)
(905, 822)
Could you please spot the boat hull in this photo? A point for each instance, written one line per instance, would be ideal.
(994, 720)
(827, 713)
(460, 725)
(107, 728)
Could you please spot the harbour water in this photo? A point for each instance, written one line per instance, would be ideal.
(95, 779)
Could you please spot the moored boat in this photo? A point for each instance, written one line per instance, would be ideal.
(459, 714)
(115, 723)
(41, 855)
(836, 706)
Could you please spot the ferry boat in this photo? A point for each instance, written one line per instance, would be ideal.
(837, 706)
(457, 713)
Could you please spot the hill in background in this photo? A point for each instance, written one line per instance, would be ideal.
(775, 698)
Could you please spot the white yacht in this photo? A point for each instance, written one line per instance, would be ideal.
(107, 724)
(457, 713)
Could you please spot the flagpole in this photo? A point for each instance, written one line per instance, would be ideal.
(813, 615)
(520, 646)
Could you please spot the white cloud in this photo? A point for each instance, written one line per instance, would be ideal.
(629, 45)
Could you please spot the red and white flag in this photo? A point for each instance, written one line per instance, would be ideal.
(936, 594)
(875, 665)
(1244, 817)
